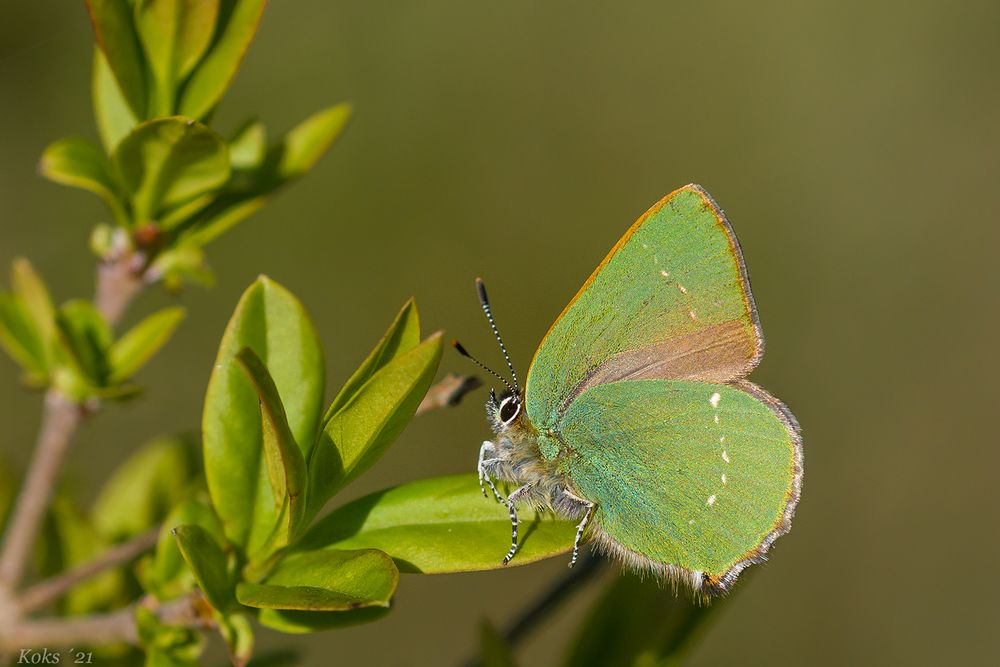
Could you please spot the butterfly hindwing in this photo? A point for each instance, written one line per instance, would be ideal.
(671, 300)
(693, 480)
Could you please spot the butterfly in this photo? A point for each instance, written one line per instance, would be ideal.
(637, 419)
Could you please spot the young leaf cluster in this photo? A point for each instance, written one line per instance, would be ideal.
(170, 182)
(72, 347)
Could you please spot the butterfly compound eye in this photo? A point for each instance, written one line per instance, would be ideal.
(509, 409)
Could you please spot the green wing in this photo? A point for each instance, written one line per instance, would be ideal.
(693, 480)
(671, 300)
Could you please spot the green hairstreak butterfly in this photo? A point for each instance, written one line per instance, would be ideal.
(637, 419)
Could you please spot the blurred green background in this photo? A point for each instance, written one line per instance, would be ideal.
(854, 145)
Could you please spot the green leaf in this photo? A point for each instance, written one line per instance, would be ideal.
(182, 263)
(138, 345)
(238, 635)
(636, 622)
(178, 215)
(248, 146)
(158, 657)
(143, 489)
(225, 213)
(21, 340)
(208, 563)
(34, 298)
(298, 622)
(167, 161)
(78, 163)
(167, 645)
(166, 574)
(402, 336)
(212, 76)
(270, 321)
(254, 182)
(114, 118)
(286, 469)
(112, 21)
(327, 580)
(102, 240)
(175, 34)
(439, 525)
(494, 651)
(306, 143)
(357, 436)
(86, 336)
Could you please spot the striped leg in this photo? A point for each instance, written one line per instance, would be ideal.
(518, 493)
(487, 448)
(588, 508)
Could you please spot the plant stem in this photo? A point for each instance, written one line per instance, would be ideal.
(60, 418)
(118, 282)
(52, 589)
(119, 626)
(83, 630)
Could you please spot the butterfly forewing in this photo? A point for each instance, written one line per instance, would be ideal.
(691, 479)
(671, 300)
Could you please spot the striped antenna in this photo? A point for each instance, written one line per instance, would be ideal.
(465, 353)
(493, 325)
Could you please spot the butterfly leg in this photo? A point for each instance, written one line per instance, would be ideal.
(574, 504)
(484, 477)
(518, 493)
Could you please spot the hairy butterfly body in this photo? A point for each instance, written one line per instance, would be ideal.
(637, 419)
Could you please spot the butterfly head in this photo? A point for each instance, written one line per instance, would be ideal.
(503, 412)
